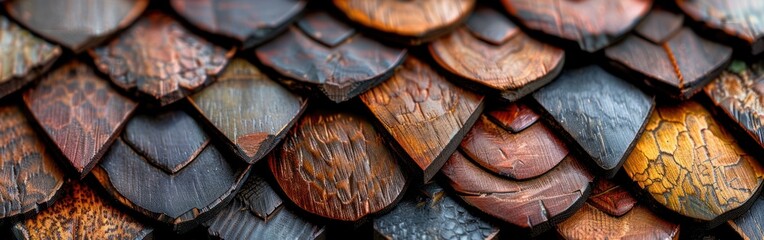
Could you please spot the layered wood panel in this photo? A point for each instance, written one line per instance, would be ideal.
(82, 214)
(688, 163)
(323, 52)
(740, 19)
(496, 57)
(600, 112)
(639, 223)
(80, 112)
(668, 57)
(76, 24)
(250, 111)
(248, 22)
(334, 164)
(749, 224)
(160, 60)
(165, 168)
(425, 114)
(592, 24)
(23, 56)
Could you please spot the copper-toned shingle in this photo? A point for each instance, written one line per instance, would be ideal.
(739, 19)
(22, 56)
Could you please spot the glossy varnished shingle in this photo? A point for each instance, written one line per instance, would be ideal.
(23, 56)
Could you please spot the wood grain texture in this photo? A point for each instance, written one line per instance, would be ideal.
(250, 110)
(749, 225)
(340, 72)
(413, 22)
(82, 214)
(80, 112)
(431, 213)
(335, 165)
(679, 66)
(29, 177)
(520, 156)
(511, 65)
(535, 204)
(513, 117)
(602, 113)
(164, 167)
(160, 60)
(425, 113)
(688, 163)
(76, 24)
(739, 92)
(593, 24)
(257, 213)
(611, 198)
(741, 19)
(639, 223)
(248, 22)
(23, 56)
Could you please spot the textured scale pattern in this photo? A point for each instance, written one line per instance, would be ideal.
(426, 114)
(23, 56)
(80, 112)
(689, 164)
(235, 222)
(335, 165)
(739, 92)
(740, 18)
(639, 223)
(611, 198)
(160, 60)
(81, 214)
(749, 225)
(259, 197)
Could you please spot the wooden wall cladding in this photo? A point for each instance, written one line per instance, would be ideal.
(602, 113)
(688, 163)
(29, 178)
(431, 213)
(535, 204)
(24, 56)
(80, 112)
(82, 214)
(160, 60)
(165, 168)
(248, 22)
(425, 114)
(411, 22)
(668, 56)
(257, 213)
(520, 154)
(495, 56)
(593, 24)
(335, 165)
(250, 111)
(639, 223)
(324, 52)
(749, 224)
(739, 92)
(739, 19)
(76, 24)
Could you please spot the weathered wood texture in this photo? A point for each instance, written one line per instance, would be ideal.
(335, 165)
(248, 22)
(495, 56)
(324, 52)
(29, 177)
(23, 56)
(412, 22)
(749, 225)
(520, 155)
(165, 168)
(741, 19)
(256, 213)
(80, 112)
(425, 113)
(602, 113)
(430, 213)
(639, 223)
(611, 198)
(76, 24)
(670, 58)
(688, 163)
(513, 117)
(535, 204)
(593, 24)
(739, 92)
(160, 60)
(81, 214)
(248, 109)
